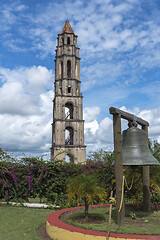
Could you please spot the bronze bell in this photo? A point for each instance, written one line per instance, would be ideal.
(135, 150)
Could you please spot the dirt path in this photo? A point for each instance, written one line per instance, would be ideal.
(42, 233)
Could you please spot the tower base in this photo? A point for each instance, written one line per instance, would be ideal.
(76, 154)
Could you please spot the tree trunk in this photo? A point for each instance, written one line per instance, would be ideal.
(86, 209)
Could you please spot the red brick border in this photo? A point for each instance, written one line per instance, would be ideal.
(54, 219)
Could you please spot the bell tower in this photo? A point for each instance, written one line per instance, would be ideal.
(68, 123)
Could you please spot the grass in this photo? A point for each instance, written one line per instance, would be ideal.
(21, 222)
(136, 221)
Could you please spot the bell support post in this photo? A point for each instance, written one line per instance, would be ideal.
(146, 181)
(118, 168)
(117, 115)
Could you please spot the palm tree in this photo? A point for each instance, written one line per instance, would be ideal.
(85, 187)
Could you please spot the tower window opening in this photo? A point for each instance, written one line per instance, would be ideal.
(68, 40)
(69, 89)
(53, 136)
(69, 69)
(62, 41)
(76, 70)
(77, 91)
(69, 136)
(61, 72)
(68, 111)
(60, 89)
(69, 158)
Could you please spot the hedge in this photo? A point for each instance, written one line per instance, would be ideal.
(31, 177)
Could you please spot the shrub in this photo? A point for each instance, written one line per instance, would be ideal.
(31, 177)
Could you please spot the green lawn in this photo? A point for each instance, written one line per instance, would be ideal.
(17, 223)
(136, 222)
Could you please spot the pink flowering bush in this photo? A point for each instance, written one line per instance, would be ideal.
(32, 177)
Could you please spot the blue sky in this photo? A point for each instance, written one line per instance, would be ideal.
(120, 66)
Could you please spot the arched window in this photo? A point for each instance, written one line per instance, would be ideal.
(60, 90)
(68, 40)
(61, 70)
(76, 70)
(53, 136)
(69, 158)
(69, 69)
(62, 41)
(77, 91)
(69, 136)
(69, 89)
(68, 110)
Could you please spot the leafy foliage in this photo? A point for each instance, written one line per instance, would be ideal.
(101, 156)
(31, 177)
(155, 170)
(135, 184)
(21, 179)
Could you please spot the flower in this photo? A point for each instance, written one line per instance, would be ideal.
(6, 193)
(29, 182)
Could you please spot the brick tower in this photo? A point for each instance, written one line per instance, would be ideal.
(68, 123)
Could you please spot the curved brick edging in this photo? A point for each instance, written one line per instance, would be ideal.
(58, 230)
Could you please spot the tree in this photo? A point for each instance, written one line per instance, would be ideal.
(5, 156)
(155, 170)
(155, 149)
(101, 156)
(86, 188)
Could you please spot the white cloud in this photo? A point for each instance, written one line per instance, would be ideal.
(105, 133)
(98, 135)
(14, 100)
(26, 109)
(25, 134)
(45, 103)
(21, 88)
(91, 113)
(90, 137)
(92, 127)
(38, 78)
(153, 117)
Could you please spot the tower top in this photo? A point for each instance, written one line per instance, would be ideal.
(67, 28)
